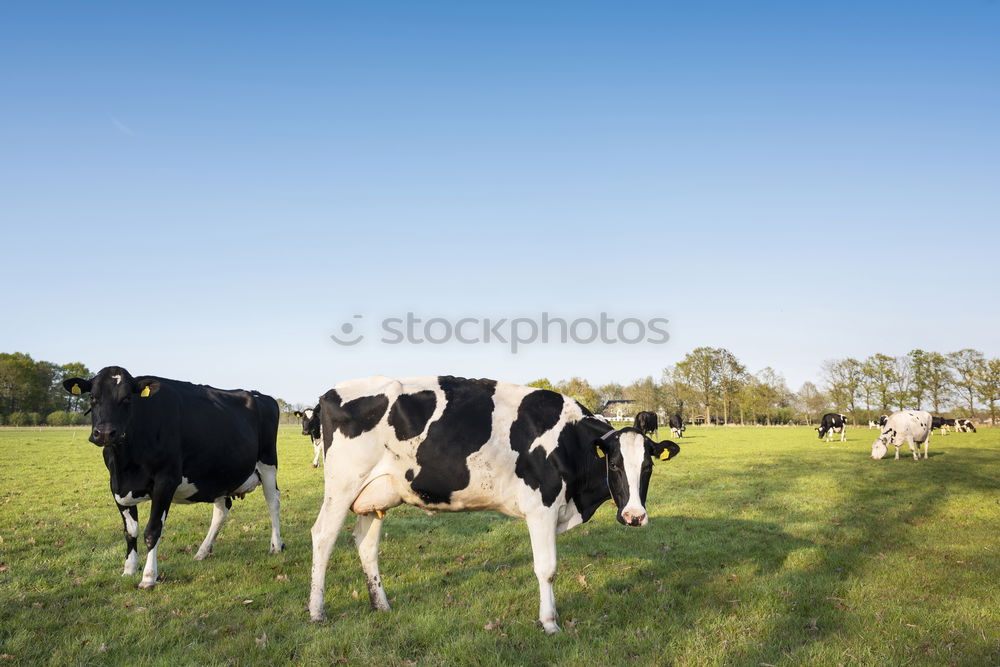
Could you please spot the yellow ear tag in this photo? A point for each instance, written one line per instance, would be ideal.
(600, 454)
(665, 455)
(75, 389)
(145, 392)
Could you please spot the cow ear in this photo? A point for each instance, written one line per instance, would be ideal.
(297, 414)
(77, 386)
(666, 450)
(146, 388)
(598, 450)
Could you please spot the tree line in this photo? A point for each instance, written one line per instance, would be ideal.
(708, 383)
(31, 393)
(713, 385)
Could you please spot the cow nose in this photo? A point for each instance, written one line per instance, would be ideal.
(635, 518)
(103, 436)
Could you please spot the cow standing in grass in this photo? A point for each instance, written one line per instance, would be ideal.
(310, 427)
(454, 444)
(677, 427)
(910, 426)
(646, 423)
(965, 425)
(831, 423)
(167, 441)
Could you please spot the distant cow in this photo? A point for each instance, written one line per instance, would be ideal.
(831, 423)
(170, 441)
(942, 423)
(910, 426)
(646, 423)
(676, 426)
(310, 427)
(453, 444)
(965, 425)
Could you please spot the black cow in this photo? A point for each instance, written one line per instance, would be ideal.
(170, 441)
(676, 426)
(646, 423)
(310, 427)
(454, 444)
(830, 423)
(943, 423)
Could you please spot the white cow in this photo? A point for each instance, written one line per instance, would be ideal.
(910, 426)
(447, 443)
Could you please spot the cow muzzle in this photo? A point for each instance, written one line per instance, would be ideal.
(104, 436)
(634, 517)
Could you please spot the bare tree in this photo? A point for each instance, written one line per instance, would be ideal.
(988, 386)
(967, 365)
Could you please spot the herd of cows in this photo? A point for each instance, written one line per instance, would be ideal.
(438, 443)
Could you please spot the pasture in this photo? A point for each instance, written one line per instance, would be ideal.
(766, 546)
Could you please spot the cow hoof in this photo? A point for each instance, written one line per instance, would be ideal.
(315, 465)
(277, 550)
(202, 555)
(317, 618)
(146, 585)
(551, 627)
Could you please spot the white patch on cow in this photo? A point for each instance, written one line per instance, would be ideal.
(633, 450)
(131, 525)
(185, 490)
(117, 379)
(307, 413)
(129, 500)
(131, 563)
(251, 483)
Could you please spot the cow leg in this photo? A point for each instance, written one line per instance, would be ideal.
(927, 443)
(542, 529)
(219, 514)
(897, 450)
(162, 494)
(317, 452)
(843, 434)
(272, 496)
(324, 535)
(130, 519)
(367, 535)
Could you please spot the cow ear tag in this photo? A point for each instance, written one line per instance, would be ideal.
(665, 456)
(600, 454)
(145, 392)
(75, 389)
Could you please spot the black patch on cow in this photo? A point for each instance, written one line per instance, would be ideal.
(539, 411)
(410, 413)
(463, 428)
(352, 418)
(409, 475)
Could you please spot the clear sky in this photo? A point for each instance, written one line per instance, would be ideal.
(206, 191)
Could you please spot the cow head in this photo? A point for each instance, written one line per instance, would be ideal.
(629, 456)
(822, 431)
(112, 393)
(880, 447)
(310, 422)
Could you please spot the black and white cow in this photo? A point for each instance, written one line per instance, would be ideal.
(910, 426)
(168, 441)
(833, 422)
(965, 425)
(646, 422)
(943, 423)
(676, 426)
(454, 444)
(310, 427)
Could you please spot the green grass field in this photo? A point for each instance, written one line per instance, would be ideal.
(766, 546)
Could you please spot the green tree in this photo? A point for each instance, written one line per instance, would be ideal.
(700, 369)
(542, 383)
(843, 379)
(880, 369)
(936, 379)
(988, 386)
(967, 365)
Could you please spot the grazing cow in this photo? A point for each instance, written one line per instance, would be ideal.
(676, 426)
(911, 426)
(831, 423)
(645, 422)
(170, 441)
(965, 425)
(310, 427)
(943, 424)
(454, 444)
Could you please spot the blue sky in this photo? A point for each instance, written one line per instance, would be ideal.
(208, 192)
